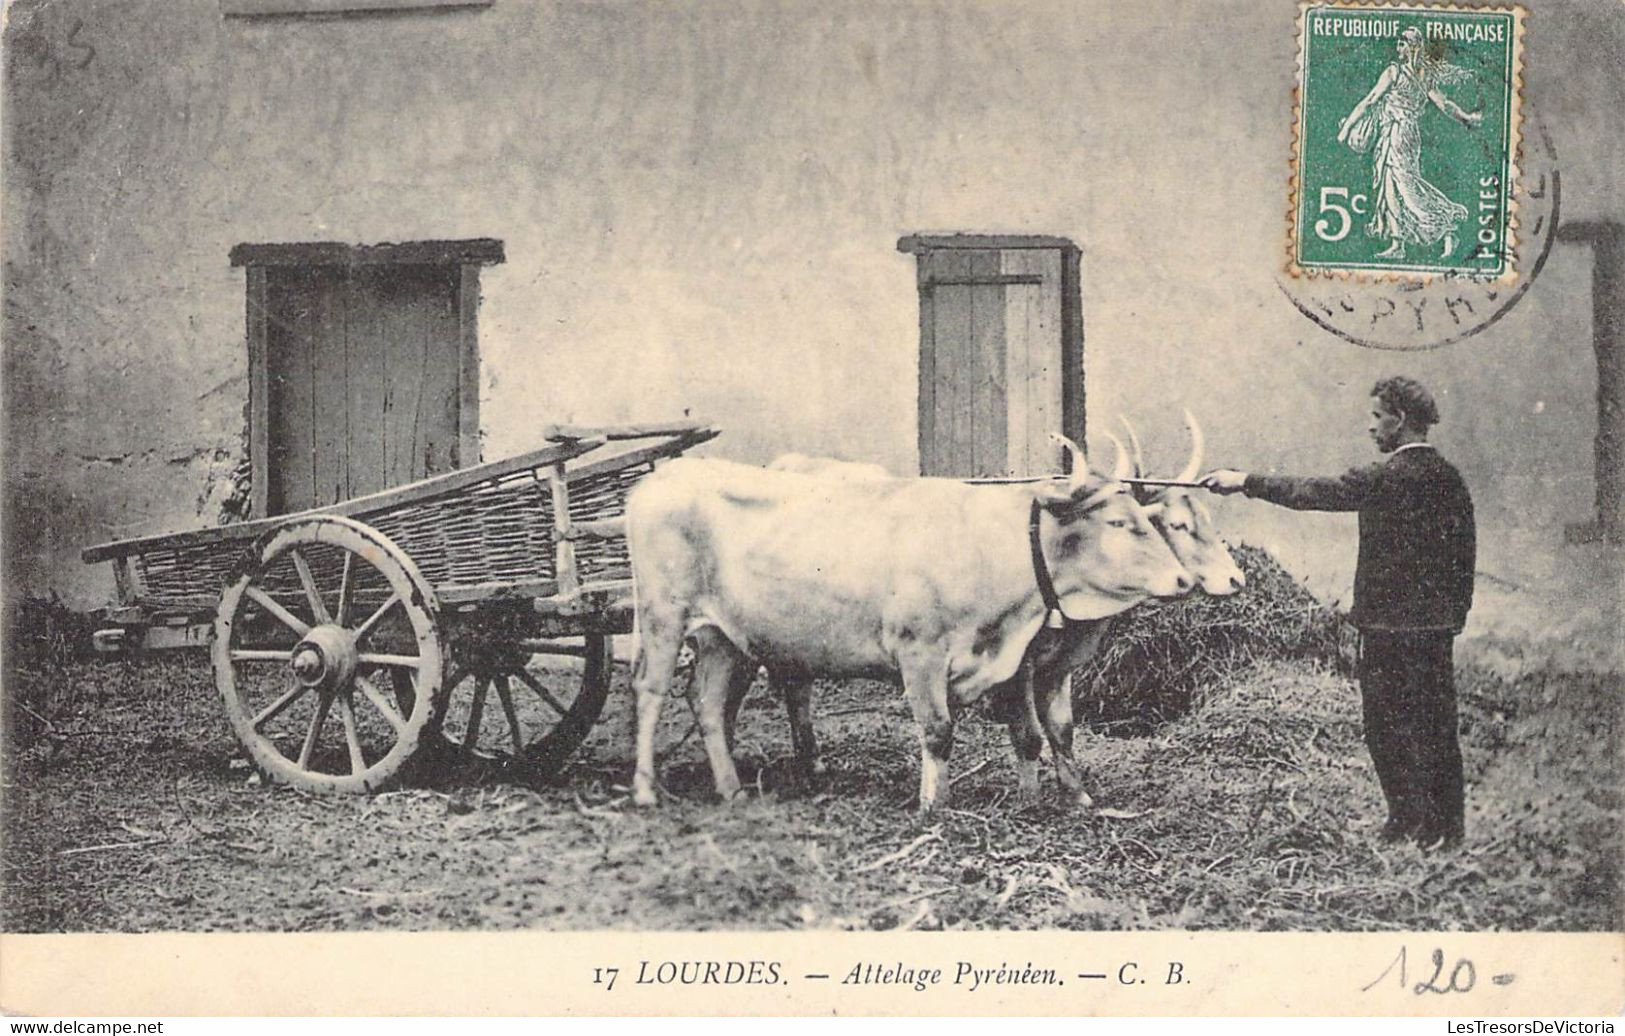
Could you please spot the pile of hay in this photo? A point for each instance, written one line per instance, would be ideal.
(1163, 659)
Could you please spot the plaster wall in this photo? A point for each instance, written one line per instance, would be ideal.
(700, 204)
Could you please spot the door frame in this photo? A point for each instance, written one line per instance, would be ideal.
(921, 246)
(467, 256)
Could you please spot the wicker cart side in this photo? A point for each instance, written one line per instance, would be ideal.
(532, 526)
(481, 524)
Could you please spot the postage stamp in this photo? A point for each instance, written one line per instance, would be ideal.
(1406, 141)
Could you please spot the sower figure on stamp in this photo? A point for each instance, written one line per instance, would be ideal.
(1405, 207)
(1413, 585)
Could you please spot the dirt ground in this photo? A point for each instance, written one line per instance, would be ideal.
(1257, 812)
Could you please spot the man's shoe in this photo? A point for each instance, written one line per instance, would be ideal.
(1432, 842)
(1397, 830)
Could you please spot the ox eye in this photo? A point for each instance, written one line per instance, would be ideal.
(1119, 523)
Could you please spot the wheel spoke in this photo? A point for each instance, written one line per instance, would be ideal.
(382, 704)
(315, 731)
(318, 607)
(256, 655)
(505, 694)
(346, 588)
(476, 712)
(369, 658)
(372, 620)
(283, 615)
(276, 708)
(358, 761)
(542, 692)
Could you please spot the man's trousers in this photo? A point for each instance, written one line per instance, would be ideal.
(1408, 694)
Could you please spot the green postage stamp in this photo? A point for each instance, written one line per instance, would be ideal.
(1406, 144)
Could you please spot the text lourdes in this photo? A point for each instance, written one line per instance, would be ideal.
(965, 974)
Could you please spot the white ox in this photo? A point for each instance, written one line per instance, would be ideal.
(930, 580)
(1184, 520)
(1036, 704)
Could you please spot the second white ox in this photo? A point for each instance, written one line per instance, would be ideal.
(1036, 704)
(928, 580)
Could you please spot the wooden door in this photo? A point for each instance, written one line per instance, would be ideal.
(1000, 353)
(363, 368)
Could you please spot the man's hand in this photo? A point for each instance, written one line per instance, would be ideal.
(1224, 481)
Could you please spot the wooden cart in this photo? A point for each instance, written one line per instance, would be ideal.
(354, 642)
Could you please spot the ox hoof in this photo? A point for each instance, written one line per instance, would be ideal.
(728, 788)
(1081, 800)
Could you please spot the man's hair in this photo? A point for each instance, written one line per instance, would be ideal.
(1407, 396)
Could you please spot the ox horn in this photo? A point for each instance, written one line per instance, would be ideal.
(1193, 467)
(1123, 467)
(1080, 461)
(1134, 446)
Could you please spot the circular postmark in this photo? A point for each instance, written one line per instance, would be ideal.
(1446, 307)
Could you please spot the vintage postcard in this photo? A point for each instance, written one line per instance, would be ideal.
(527, 507)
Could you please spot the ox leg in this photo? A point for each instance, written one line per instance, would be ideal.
(1052, 699)
(1026, 736)
(652, 671)
(797, 691)
(738, 688)
(925, 684)
(719, 669)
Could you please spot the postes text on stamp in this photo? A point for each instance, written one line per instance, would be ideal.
(1406, 141)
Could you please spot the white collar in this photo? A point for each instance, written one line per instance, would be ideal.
(1413, 446)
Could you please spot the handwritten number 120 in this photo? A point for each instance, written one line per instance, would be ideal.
(1462, 976)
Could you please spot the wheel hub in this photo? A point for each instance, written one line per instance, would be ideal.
(325, 658)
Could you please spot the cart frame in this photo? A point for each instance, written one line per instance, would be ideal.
(464, 579)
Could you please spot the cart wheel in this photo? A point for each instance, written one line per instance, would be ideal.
(533, 702)
(322, 609)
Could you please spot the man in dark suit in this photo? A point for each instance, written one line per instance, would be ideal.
(1413, 585)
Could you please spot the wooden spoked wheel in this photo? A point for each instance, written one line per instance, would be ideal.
(325, 616)
(530, 702)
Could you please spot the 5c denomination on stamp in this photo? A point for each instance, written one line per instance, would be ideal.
(1406, 141)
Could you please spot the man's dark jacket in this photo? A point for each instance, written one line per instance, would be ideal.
(1417, 539)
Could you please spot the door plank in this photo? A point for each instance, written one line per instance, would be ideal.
(952, 308)
(259, 393)
(1033, 361)
(442, 429)
(295, 296)
(330, 393)
(368, 385)
(927, 417)
(984, 377)
(408, 314)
